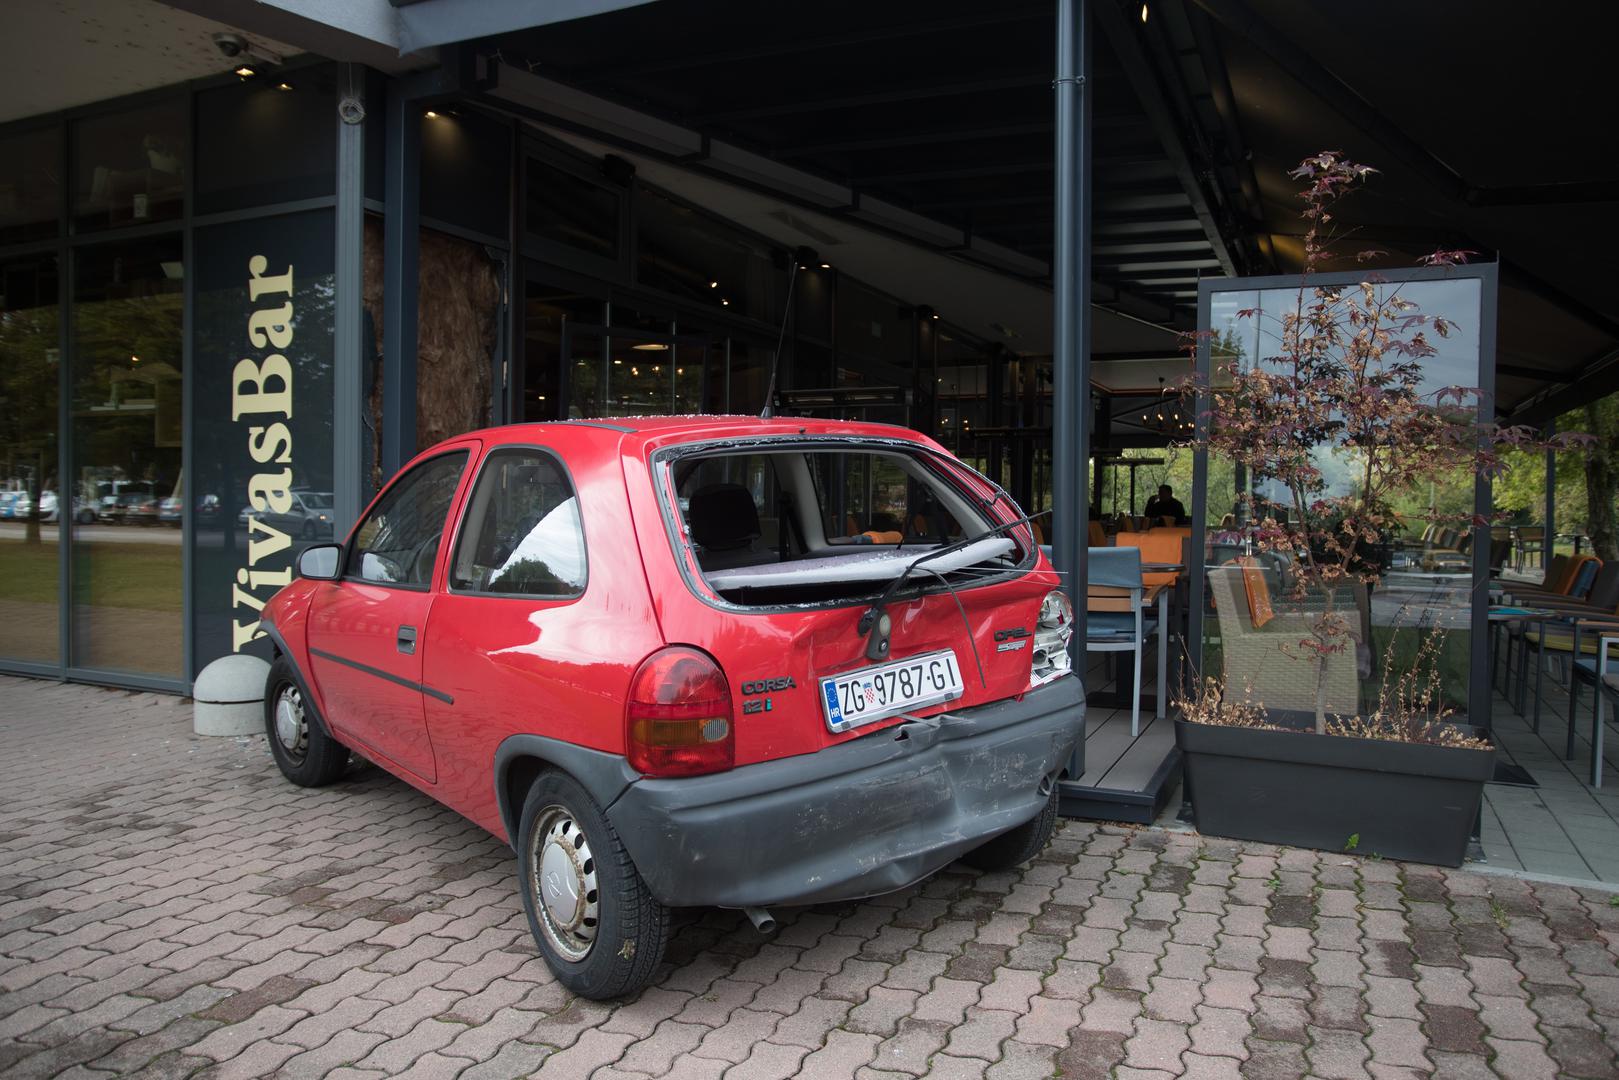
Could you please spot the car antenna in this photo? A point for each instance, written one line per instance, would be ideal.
(801, 258)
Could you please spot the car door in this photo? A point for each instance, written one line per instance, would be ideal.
(365, 629)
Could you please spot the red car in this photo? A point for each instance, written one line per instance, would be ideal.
(703, 661)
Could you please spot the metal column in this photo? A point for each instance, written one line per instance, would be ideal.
(401, 260)
(1071, 279)
(348, 349)
(1071, 294)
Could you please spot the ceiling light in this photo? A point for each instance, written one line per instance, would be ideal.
(539, 397)
(826, 266)
(431, 115)
(1143, 12)
(727, 303)
(246, 72)
(713, 284)
(134, 359)
(680, 371)
(283, 86)
(618, 361)
(650, 346)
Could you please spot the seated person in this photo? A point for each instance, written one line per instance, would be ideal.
(1164, 504)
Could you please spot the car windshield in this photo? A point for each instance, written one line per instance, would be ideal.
(813, 523)
(316, 500)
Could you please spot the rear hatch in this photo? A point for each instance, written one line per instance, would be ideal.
(798, 553)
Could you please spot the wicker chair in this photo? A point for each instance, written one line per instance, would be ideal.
(1265, 665)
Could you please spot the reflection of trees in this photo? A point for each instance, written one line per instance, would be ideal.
(28, 385)
(124, 348)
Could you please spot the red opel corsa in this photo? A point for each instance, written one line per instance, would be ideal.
(701, 661)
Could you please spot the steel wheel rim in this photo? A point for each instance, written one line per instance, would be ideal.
(291, 725)
(563, 882)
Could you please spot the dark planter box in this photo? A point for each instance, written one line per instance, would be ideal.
(1405, 800)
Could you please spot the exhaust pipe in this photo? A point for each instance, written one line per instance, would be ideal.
(763, 921)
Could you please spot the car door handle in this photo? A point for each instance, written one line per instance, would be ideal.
(407, 639)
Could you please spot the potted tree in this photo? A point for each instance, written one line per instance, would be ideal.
(1343, 392)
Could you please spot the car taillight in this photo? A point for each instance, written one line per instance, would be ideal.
(1050, 658)
(678, 721)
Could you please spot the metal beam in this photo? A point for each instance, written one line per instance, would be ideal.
(1294, 59)
(1596, 378)
(916, 138)
(1554, 194)
(954, 172)
(788, 44)
(920, 92)
(1127, 47)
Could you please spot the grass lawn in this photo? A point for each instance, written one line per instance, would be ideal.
(145, 576)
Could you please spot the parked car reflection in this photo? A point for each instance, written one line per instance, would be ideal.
(309, 516)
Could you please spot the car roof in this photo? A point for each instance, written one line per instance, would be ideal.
(639, 431)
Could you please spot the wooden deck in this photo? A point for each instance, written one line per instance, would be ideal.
(1126, 779)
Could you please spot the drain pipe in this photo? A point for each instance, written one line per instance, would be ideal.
(763, 921)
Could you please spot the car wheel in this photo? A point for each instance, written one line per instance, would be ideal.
(306, 755)
(309, 530)
(1017, 846)
(598, 926)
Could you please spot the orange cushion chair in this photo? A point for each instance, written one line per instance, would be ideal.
(1159, 545)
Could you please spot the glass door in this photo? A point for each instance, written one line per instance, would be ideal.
(632, 373)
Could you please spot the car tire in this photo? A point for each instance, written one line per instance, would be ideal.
(1016, 846)
(599, 949)
(308, 530)
(304, 752)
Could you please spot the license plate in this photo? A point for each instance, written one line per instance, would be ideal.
(875, 693)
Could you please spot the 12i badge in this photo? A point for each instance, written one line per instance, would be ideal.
(755, 693)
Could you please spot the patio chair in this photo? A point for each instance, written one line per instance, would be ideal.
(1263, 663)
(1531, 541)
(1601, 599)
(1118, 617)
(1570, 640)
(1602, 671)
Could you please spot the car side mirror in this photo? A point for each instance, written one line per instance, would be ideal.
(320, 562)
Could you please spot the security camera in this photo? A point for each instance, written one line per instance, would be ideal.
(230, 46)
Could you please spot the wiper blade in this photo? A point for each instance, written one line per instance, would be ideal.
(874, 622)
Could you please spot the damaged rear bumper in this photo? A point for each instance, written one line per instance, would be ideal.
(857, 819)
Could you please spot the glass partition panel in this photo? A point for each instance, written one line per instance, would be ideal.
(30, 185)
(31, 507)
(130, 166)
(126, 456)
(1256, 612)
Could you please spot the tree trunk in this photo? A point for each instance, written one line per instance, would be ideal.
(1602, 484)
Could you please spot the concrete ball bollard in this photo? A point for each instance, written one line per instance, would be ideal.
(229, 696)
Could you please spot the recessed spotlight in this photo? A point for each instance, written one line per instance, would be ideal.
(727, 303)
(283, 86)
(826, 266)
(713, 284)
(134, 359)
(431, 115)
(246, 72)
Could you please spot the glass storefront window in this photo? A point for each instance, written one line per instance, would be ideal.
(1422, 591)
(130, 167)
(126, 378)
(570, 212)
(686, 253)
(31, 507)
(295, 113)
(30, 185)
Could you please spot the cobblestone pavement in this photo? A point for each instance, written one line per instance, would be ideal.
(170, 907)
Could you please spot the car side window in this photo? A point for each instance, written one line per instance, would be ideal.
(523, 535)
(398, 541)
